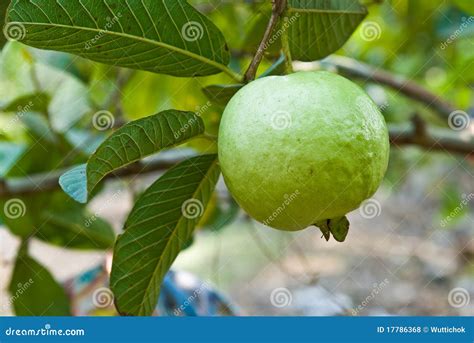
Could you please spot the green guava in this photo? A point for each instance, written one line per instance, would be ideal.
(302, 149)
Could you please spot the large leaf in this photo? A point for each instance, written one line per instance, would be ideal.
(166, 36)
(317, 28)
(135, 140)
(35, 292)
(159, 226)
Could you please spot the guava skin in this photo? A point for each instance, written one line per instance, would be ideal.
(302, 148)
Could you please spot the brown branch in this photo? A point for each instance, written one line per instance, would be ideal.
(278, 9)
(353, 68)
(47, 182)
(439, 140)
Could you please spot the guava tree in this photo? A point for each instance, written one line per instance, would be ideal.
(75, 123)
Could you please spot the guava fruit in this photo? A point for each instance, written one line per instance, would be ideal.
(302, 149)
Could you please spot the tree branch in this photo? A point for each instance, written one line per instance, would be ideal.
(440, 140)
(46, 182)
(278, 8)
(353, 68)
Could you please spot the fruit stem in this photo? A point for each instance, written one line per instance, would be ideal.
(279, 7)
(286, 47)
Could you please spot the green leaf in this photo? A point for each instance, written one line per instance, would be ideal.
(3, 10)
(34, 291)
(130, 143)
(223, 217)
(159, 226)
(317, 28)
(75, 229)
(466, 5)
(338, 227)
(221, 94)
(167, 36)
(9, 155)
(36, 102)
(56, 219)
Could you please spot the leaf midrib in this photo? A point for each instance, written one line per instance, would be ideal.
(200, 58)
(174, 232)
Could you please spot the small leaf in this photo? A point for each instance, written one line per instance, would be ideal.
(167, 36)
(34, 290)
(277, 68)
(9, 154)
(75, 229)
(317, 28)
(338, 227)
(223, 216)
(158, 228)
(221, 94)
(130, 143)
(74, 183)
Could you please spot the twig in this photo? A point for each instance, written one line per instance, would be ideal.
(353, 68)
(285, 44)
(278, 8)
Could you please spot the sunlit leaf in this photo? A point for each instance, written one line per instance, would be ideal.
(167, 36)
